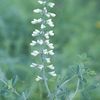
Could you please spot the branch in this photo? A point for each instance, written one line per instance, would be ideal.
(77, 88)
(64, 83)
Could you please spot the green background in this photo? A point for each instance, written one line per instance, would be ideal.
(77, 31)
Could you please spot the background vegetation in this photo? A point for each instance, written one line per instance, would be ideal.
(77, 32)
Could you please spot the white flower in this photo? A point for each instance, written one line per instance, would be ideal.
(51, 33)
(40, 67)
(43, 26)
(50, 23)
(41, 2)
(53, 73)
(35, 21)
(33, 43)
(52, 14)
(45, 51)
(35, 53)
(37, 10)
(40, 41)
(36, 32)
(47, 41)
(50, 45)
(48, 15)
(51, 52)
(46, 36)
(47, 60)
(33, 65)
(38, 78)
(51, 4)
(51, 67)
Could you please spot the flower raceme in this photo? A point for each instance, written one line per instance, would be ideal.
(42, 36)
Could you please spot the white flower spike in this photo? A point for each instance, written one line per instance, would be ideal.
(41, 40)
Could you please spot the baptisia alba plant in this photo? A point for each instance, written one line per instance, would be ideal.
(42, 37)
(73, 83)
(44, 49)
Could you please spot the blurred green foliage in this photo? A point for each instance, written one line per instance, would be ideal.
(77, 31)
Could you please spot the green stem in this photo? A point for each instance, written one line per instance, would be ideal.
(77, 88)
(46, 85)
(65, 82)
(44, 77)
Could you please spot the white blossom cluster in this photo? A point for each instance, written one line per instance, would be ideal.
(42, 36)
